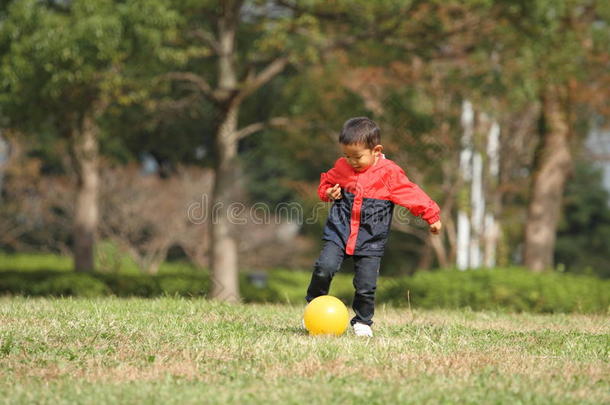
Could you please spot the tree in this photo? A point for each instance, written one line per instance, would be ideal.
(225, 78)
(551, 50)
(584, 230)
(396, 71)
(62, 65)
(247, 45)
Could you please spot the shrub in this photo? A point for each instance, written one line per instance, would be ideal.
(71, 284)
(497, 289)
(123, 285)
(507, 289)
(183, 285)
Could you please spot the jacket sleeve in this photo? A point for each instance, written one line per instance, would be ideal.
(328, 179)
(409, 195)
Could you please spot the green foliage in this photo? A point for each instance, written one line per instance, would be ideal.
(507, 289)
(584, 232)
(544, 43)
(497, 289)
(183, 285)
(52, 283)
(60, 60)
(514, 290)
(70, 284)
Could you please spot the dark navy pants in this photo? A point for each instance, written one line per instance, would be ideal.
(366, 270)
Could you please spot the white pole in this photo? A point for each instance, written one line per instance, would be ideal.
(477, 206)
(492, 231)
(463, 222)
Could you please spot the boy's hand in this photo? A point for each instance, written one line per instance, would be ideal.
(435, 228)
(334, 192)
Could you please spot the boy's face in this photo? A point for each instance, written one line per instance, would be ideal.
(359, 156)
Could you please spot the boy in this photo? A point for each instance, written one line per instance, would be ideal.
(364, 186)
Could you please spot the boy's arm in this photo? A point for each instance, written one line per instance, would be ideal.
(328, 179)
(409, 195)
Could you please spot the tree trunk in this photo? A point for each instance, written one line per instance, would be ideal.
(552, 167)
(224, 262)
(4, 156)
(439, 250)
(425, 259)
(84, 146)
(223, 258)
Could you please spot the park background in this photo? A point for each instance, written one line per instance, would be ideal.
(166, 154)
(140, 137)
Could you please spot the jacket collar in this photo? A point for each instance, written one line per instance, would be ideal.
(380, 163)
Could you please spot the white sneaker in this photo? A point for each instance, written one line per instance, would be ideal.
(361, 329)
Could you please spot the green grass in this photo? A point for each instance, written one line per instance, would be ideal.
(108, 260)
(35, 262)
(169, 350)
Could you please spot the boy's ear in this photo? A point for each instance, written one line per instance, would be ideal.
(378, 149)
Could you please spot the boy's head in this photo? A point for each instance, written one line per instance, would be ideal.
(360, 141)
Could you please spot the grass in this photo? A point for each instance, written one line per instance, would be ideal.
(170, 350)
(34, 262)
(108, 260)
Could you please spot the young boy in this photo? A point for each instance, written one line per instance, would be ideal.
(364, 186)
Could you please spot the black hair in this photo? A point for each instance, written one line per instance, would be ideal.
(360, 130)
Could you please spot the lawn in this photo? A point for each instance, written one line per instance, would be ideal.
(171, 350)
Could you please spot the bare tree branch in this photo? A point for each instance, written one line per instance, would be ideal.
(208, 38)
(258, 126)
(200, 83)
(254, 82)
(179, 104)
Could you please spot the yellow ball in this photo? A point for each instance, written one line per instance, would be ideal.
(326, 315)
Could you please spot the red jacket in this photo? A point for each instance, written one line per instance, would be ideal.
(360, 221)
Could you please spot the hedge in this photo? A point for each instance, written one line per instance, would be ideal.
(497, 289)
(506, 289)
(54, 283)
